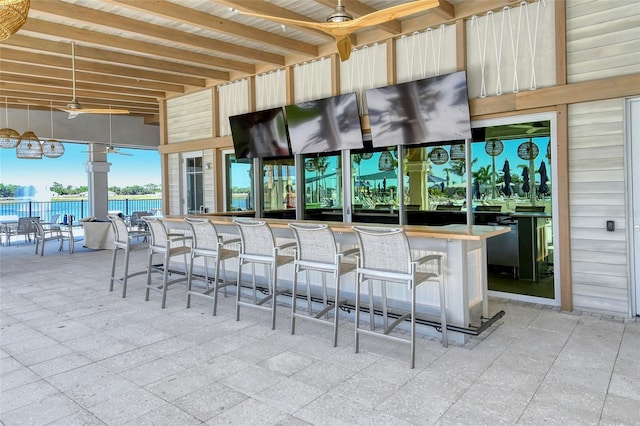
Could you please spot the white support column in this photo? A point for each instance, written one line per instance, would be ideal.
(97, 169)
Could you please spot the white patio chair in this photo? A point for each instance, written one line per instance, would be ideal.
(316, 250)
(24, 227)
(208, 244)
(385, 256)
(123, 240)
(258, 246)
(169, 245)
(43, 235)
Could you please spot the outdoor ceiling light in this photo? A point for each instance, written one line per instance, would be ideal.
(13, 15)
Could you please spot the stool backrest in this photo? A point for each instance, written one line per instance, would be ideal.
(256, 237)
(120, 230)
(384, 249)
(157, 230)
(315, 243)
(205, 234)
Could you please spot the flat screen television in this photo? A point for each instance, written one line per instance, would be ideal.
(434, 109)
(260, 134)
(324, 125)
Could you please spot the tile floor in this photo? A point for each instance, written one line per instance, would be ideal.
(71, 353)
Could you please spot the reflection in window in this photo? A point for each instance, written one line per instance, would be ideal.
(375, 186)
(323, 187)
(511, 173)
(435, 177)
(239, 184)
(279, 185)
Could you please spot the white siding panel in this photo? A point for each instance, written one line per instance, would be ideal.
(208, 178)
(173, 163)
(190, 117)
(596, 178)
(603, 39)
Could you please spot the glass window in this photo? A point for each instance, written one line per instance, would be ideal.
(323, 187)
(195, 195)
(375, 186)
(512, 174)
(239, 190)
(435, 184)
(279, 188)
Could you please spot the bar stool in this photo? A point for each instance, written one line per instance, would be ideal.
(385, 255)
(169, 245)
(258, 246)
(123, 240)
(316, 250)
(208, 244)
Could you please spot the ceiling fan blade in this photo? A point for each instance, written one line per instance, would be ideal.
(95, 111)
(344, 47)
(389, 14)
(287, 21)
(342, 30)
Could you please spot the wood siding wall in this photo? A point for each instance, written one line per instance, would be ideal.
(175, 190)
(603, 39)
(190, 117)
(597, 193)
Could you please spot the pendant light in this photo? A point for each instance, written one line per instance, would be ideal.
(29, 146)
(52, 148)
(9, 138)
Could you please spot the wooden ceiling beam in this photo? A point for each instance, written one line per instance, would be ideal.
(101, 68)
(41, 85)
(16, 99)
(169, 66)
(92, 92)
(82, 78)
(67, 32)
(189, 16)
(85, 15)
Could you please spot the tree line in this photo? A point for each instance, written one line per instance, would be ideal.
(13, 191)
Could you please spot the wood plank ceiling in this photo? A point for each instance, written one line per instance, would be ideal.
(131, 53)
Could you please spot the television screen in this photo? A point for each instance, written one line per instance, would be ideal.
(433, 109)
(324, 125)
(260, 134)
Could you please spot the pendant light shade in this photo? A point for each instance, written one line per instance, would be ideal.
(9, 138)
(29, 146)
(52, 148)
(13, 15)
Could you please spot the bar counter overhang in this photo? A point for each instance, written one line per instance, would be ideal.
(464, 246)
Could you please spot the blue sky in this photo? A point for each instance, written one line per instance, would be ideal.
(140, 169)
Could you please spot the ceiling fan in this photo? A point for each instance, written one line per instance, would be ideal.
(531, 128)
(74, 108)
(110, 149)
(340, 24)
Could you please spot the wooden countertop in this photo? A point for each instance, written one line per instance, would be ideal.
(451, 232)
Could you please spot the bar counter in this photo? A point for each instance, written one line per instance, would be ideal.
(465, 247)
